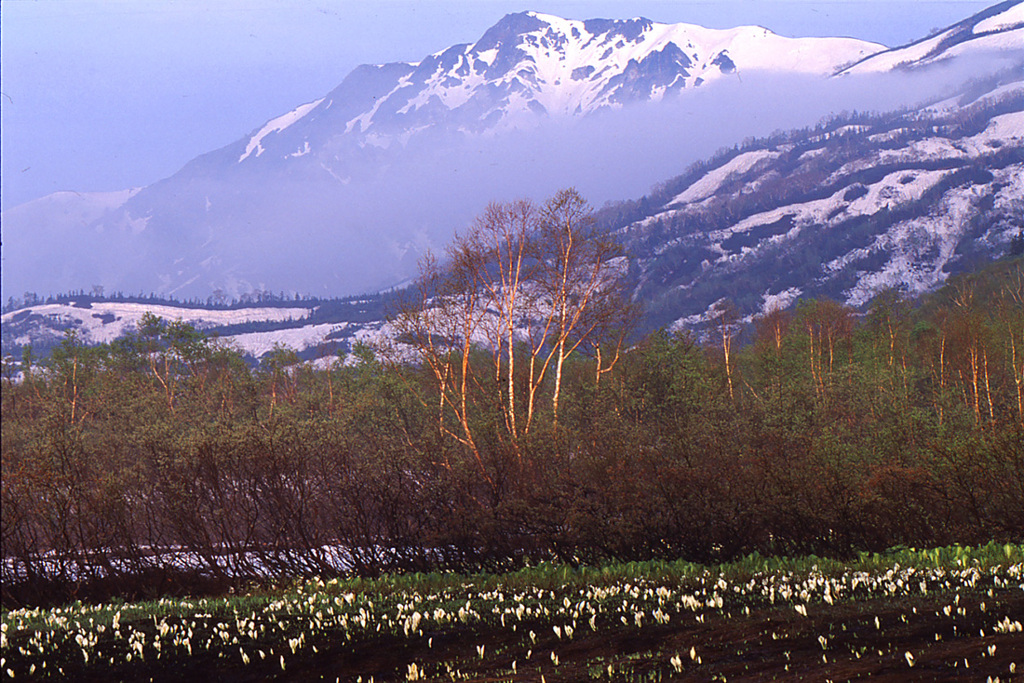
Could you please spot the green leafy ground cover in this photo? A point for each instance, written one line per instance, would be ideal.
(902, 615)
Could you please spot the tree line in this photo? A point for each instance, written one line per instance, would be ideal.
(508, 422)
(219, 299)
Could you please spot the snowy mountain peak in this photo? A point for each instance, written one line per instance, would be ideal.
(531, 65)
(356, 185)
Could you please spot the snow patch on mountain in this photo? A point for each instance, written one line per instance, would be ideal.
(301, 152)
(1002, 128)
(779, 301)
(258, 344)
(275, 126)
(1002, 32)
(918, 249)
(995, 42)
(894, 59)
(364, 120)
(891, 191)
(88, 205)
(103, 322)
(999, 93)
(714, 179)
(1004, 20)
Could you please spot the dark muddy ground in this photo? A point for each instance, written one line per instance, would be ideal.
(837, 643)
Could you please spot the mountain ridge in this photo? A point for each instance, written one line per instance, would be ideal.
(357, 184)
(221, 211)
(1007, 31)
(855, 206)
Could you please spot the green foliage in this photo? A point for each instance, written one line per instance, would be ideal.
(843, 435)
(575, 616)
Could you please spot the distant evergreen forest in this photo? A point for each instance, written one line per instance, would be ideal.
(216, 301)
(354, 309)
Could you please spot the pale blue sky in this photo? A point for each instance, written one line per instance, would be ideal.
(102, 95)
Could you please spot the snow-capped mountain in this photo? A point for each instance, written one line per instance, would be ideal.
(844, 210)
(530, 65)
(859, 205)
(343, 194)
(337, 184)
(999, 29)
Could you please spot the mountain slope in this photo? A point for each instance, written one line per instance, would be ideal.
(999, 29)
(847, 209)
(356, 185)
(345, 193)
(856, 206)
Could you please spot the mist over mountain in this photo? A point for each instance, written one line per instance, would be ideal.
(847, 210)
(857, 205)
(344, 194)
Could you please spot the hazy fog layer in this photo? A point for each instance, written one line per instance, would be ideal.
(310, 233)
(103, 95)
(345, 218)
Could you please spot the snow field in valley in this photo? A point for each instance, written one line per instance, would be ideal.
(103, 322)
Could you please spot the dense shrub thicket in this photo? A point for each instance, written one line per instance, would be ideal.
(829, 431)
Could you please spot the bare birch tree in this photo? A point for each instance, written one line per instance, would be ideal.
(725, 321)
(580, 286)
(440, 321)
(1012, 317)
(540, 280)
(495, 257)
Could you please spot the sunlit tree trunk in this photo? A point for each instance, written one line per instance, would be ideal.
(579, 281)
(726, 330)
(1012, 314)
(942, 375)
(1017, 366)
(988, 391)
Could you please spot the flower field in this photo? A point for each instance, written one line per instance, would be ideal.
(905, 615)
